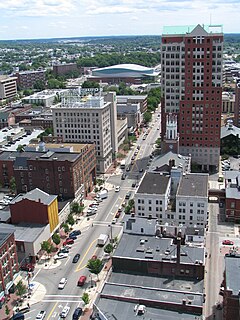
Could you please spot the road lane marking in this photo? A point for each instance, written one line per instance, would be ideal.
(62, 295)
(90, 246)
(67, 261)
(61, 301)
(51, 312)
(36, 274)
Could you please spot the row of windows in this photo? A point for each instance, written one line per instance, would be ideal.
(150, 201)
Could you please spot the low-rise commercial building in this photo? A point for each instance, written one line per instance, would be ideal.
(61, 69)
(231, 302)
(59, 173)
(192, 200)
(45, 98)
(232, 201)
(8, 260)
(36, 206)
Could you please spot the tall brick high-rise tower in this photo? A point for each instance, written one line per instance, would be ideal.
(191, 59)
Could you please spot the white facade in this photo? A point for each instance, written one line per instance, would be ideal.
(88, 120)
(192, 210)
(8, 87)
(153, 205)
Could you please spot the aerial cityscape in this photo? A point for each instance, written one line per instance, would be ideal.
(119, 160)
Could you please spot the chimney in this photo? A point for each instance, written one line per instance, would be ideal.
(178, 249)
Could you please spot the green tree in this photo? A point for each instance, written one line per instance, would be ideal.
(7, 310)
(85, 298)
(39, 85)
(65, 227)
(21, 289)
(47, 247)
(127, 209)
(56, 238)
(20, 148)
(158, 142)
(108, 248)
(90, 84)
(70, 220)
(95, 266)
(147, 116)
(13, 186)
(76, 208)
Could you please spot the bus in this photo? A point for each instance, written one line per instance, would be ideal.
(123, 164)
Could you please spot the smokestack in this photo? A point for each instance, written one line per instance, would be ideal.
(178, 249)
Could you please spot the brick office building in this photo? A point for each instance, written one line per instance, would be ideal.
(62, 173)
(27, 79)
(8, 260)
(192, 88)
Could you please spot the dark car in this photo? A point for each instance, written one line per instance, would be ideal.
(76, 258)
(117, 215)
(133, 185)
(141, 170)
(77, 313)
(27, 267)
(72, 236)
(64, 250)
(123, 176)
(75, 233)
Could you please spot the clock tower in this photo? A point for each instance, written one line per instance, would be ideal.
(171, 138)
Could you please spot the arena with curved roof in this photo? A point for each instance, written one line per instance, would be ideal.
(124, 71)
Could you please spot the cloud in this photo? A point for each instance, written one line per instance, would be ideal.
(37, 7)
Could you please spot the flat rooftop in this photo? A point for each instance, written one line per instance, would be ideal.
(4, 235)
(158, 249)
(153, 183)
(113, 309)
(193, 185)
(25, 232)
(232, 267)
(186, 29)
(20, 158)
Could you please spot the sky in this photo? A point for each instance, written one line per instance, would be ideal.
(34, 19)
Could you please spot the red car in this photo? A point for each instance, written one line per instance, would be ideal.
(117, 215)
(94, 257)
(228, 242)
(68, 241)
(81, 281)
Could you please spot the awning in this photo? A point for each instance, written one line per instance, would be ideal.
(17, 279)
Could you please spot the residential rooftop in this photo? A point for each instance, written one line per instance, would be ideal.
(153, 183)
(193, 185)
(162, 162)
(232, 183)
(159, 249)
(36, 195)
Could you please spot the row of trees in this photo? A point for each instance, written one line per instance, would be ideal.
(154, 98)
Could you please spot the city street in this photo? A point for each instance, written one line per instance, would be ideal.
(54, 300)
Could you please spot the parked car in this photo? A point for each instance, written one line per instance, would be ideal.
(77, 313)
(123, 177)
(114, 220)
(141, 170)
(81, 281)
(94, 257)
(72, 236)
(27, 267)
(62, 283)
(68, 241)
(74, 233)
(133, 185)
(61, 255)
(65, 312)
(41, 315)
(228, 242)
(76, 258)
(117, 215)
(63, 250)
(117, 189)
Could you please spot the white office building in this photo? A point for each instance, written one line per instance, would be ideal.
(89, 119)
